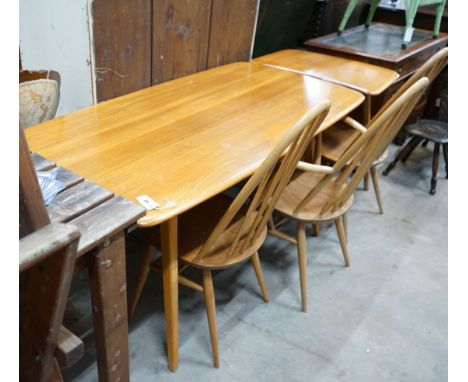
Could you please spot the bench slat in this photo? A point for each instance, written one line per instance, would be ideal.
(67, 177)
(76, 201)
(41, 163)
(104, 221)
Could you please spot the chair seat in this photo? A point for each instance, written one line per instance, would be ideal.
(300, 185)
(433, 130)
(337, 139)
(194, 228)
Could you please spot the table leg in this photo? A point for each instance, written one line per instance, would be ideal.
(171, 289)
(367, 110)
(109, 301)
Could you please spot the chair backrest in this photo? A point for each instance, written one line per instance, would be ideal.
(259, 195)
(39, 95)
(357, 159)
(430, 69)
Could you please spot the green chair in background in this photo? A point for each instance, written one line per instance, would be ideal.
(411, 8)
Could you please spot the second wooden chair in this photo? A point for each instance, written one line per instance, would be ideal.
(222, 232)
(320, 193)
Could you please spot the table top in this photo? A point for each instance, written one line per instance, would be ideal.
(366, 78)
(189, 139)
(380, 42)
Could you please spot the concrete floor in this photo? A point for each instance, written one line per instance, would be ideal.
(382, 319)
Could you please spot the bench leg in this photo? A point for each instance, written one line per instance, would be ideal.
(109, 303)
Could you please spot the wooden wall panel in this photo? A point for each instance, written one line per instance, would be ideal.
(281, 24)
(122, 41)
(232, 27)
(180, 38)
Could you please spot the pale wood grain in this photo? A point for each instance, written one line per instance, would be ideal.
(188, 139)
(366, 78)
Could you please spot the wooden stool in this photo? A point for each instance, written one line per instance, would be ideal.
(423, 131)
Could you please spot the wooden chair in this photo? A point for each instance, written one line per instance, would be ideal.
(39, 95)
(222, 233)
(46, 264)
(318, 193)
(411, 8)
(338, 138)
(426, 130)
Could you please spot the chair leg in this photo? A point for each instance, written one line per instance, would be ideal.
(348, 12)
(302, 254)
(439, 10)
(370, 15)
(143, 275)
(375, 181)
(208, 294)
(366, 182)
(435, 168)
(410, 13)
(404, 153)
(413, 143)
(342, 237)
(345, 225)
(445, 149)
(315, 229)
(261, 280)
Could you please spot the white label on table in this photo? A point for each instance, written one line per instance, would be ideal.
(147, 202)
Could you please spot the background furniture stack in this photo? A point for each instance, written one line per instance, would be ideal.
(411, 8)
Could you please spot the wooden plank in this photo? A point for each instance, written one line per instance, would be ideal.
(122, 46)
(104, 221)
(231, 31)
(109, 298)
(67, 177)
(69, 349)
(38, 245)
(76, 201)
(41, 163)
(180, 38)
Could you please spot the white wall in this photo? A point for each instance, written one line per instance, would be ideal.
(55, 34)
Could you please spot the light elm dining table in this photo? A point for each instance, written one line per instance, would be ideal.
(184, 141)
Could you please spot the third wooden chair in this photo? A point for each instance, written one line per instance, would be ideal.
(318, 193)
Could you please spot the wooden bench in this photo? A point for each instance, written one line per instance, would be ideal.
(102, 220)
